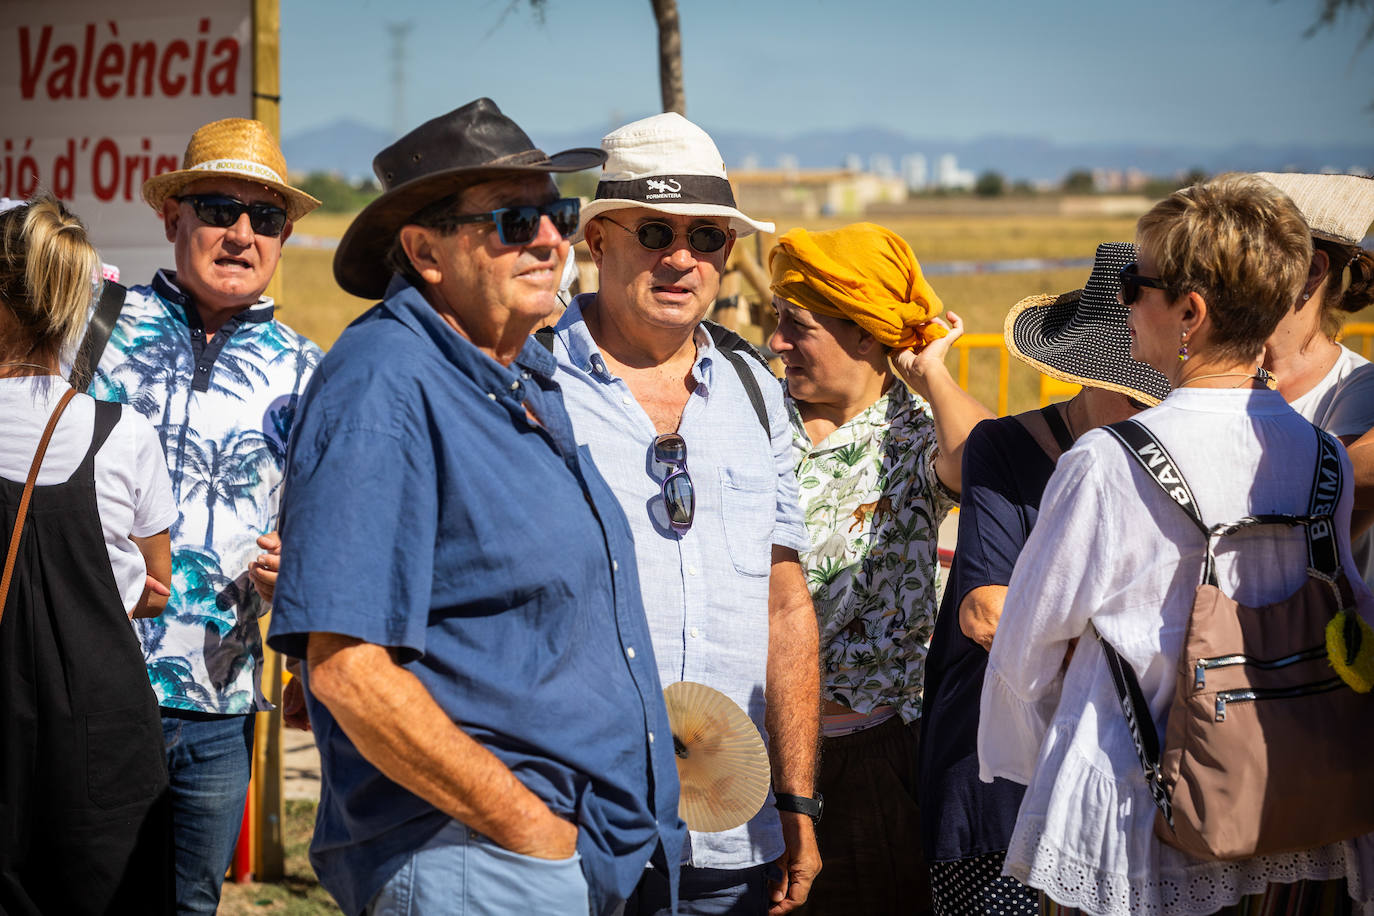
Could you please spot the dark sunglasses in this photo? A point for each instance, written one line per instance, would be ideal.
(1132, 281)
(520, 225)
(679, 497)
(657, 236)
(222, 212)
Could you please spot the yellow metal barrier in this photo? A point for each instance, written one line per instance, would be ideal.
(1363, 330)
(986, 342)
(1050, 389)
(1357, 335)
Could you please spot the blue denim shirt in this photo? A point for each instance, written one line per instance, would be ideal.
(425, 512)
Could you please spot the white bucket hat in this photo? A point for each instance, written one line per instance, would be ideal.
(666, 163)
(1338, 208)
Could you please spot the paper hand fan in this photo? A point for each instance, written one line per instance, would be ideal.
(721, 761)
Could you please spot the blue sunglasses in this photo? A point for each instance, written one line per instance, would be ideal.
(520, 225)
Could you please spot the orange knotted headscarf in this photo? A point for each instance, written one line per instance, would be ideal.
(861, 272)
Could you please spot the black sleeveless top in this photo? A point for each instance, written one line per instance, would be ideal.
(85, 825)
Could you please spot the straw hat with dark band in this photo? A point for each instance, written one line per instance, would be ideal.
(1081, 337)
(232, 148)
(469, 145)
(1338, 208)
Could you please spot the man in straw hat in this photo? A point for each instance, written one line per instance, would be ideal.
(200, 353)
(456, 573)
(694, 440)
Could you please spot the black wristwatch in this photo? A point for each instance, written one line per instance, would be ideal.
(800, 804)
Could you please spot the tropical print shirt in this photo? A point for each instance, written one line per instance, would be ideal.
(224, 409)
(873, 508)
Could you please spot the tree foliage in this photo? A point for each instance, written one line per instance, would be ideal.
(990, 184)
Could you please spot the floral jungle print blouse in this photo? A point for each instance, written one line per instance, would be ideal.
(873, 507)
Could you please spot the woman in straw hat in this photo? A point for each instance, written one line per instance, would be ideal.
(877, 473)
(1077, 337)
(84, 827)
(1328, 383)
(1113, 554)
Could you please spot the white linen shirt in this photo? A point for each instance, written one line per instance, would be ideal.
(705, 591)
(1110, 550)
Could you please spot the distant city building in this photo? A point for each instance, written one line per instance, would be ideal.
(853, 162)
(787, 164)
(1117, 181)
(880, 164)
(914, 171)
(750, 162)
(807, 193)
(949, 176)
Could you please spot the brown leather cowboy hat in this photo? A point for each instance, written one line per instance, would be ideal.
(468, 145)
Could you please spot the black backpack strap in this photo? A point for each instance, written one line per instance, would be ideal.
(1323, 549)
(733, 347)
(545, 337)
(1058, 428)
(97, 335)
(1141, 726)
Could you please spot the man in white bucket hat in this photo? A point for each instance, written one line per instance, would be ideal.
(200, 352)
(689, 429)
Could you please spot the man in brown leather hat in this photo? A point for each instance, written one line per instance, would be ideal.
(458, 577)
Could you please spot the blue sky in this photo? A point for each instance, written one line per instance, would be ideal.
(1197, 72)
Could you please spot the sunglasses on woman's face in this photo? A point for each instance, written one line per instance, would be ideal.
(222, 212)
(1132, 281)
(520, 225)
(656, 236)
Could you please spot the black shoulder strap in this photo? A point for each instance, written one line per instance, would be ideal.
(731, 346)
(1058, 428)
(97, 335)
(1141, 726)
(1323, 550)
(545, 337)
(1159, 464)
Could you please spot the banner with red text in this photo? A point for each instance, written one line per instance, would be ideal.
(97, 96)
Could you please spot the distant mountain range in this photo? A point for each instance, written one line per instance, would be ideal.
(347, 147)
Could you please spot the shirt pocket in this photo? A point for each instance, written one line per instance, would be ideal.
(747, 507)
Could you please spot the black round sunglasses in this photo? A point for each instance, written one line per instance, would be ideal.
(656, 236)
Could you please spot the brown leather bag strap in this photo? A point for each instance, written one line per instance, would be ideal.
(28, 494)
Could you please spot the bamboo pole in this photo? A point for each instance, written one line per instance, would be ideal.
(269, 854)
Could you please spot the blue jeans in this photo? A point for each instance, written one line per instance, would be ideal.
(208, 761)
(704, 892)
(461, 871)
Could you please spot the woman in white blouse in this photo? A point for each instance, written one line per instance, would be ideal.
(1220, 264)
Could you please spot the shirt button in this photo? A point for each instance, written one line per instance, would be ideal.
(626, 399)
(695, 632)
(615, 565)
(691, 570)
(491, 396)
(201, 369)
(524, 375)
(630, 651)
(514, 386)
(651, 737)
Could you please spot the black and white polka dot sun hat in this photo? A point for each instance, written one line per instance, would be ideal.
(1080, 336)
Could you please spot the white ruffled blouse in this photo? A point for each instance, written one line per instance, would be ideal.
(1110, 551)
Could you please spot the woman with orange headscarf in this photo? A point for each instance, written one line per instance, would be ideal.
(879, 468)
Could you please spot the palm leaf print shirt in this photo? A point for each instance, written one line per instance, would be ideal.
(873, 508)
(223, 409)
